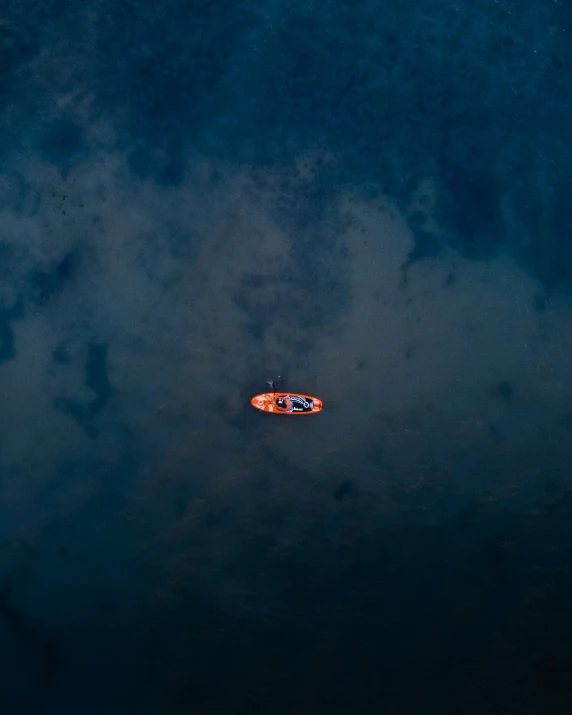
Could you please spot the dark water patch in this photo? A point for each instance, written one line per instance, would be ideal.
(550, 255)
(23, 626)
(13, 615)
(302, 204)
(83, 522)
(52, 661)
(473, 209)
(496, 432)
(7, 339)
(7, 347)
(46, 285)
(567, 498)
(18, 194)
(64, 553)
(96, 376)
(551, 486)
(104, 604)
(61, 140)
(164, 65)
(164, 164)
(97, 380)
(18, 43)
(60, 355)
(503, 390)
(61, 490)
(450, 280)
(426, 245)
(540, 303)
(379, 457)
(63, 143)
(343, 490)
(180, 505)
(78, 412)
(495, 555)
(551, 673)
(467, 517)
(183, 243)
(302, 347)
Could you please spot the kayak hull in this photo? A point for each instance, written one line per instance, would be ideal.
(266, 403)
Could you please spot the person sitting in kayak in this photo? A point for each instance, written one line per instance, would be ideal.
(293, 403)
(284, 404)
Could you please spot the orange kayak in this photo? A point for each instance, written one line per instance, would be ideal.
(287, 403)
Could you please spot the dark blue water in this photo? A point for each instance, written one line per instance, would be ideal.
(371, 200)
